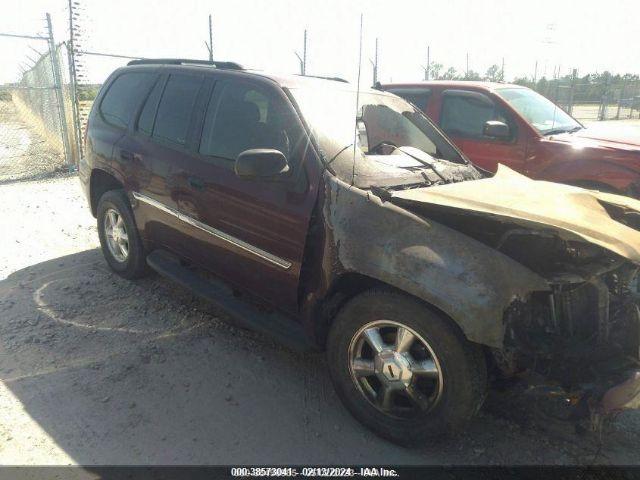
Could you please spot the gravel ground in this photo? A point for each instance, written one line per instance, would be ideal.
(96, 369)
(24, 154)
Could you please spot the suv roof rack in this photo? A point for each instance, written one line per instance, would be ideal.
(335, 79)
(186, 61)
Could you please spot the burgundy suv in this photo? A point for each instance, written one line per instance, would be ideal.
(496, 123)
(368, 235)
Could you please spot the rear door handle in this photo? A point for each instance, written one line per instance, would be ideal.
(196, 183)
(126, 155)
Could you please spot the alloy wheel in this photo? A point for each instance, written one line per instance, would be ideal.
(116, 235)
(395, 369)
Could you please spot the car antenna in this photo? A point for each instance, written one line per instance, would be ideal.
(355, 127)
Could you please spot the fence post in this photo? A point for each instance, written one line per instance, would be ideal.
(57, 85)
(73, 80)
(571, 89)
(603, 101)
(620, 98)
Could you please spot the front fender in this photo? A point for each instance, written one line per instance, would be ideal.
(469, 281)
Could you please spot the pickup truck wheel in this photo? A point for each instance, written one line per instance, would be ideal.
(119, 238)
(403, 370)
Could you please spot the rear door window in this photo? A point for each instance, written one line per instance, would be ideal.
(174, 112)
(243, 116)
(124, 96)
(420, 98)
(148, 114)
(464, 113)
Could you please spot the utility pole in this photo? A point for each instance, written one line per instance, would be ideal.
(304, 54)
(57, 85)
(502, 71)
(427, 70)
(467, 69)
(535, 74)
(209, 45)
(374, 63)
(303, 59)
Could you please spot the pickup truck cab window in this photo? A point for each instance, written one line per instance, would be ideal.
(465, 113)
(418, 96)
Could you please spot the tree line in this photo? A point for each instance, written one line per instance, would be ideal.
(588, 87)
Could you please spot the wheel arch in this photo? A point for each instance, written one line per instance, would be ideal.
(350, 284)
(100, 182)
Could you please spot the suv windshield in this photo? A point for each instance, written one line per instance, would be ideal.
(384, 124)
(543, 114)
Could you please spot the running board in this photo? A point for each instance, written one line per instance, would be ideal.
(277, 326)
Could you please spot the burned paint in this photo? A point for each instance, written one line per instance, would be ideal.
(470, 282)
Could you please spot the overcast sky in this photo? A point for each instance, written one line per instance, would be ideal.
(588, 35)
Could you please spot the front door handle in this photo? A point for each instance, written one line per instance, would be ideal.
(195, 182)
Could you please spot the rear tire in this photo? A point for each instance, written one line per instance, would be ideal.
(452, 391)
(119, 237)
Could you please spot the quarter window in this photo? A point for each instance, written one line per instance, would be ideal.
(245, 116)
(465, 114)
(174, 111)
(123, 97)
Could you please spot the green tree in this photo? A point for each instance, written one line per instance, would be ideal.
(472, 75)
(450, 74)
(493, 74)
(434, 70)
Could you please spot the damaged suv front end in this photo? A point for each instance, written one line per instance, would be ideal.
(581, 333)
(541, 276)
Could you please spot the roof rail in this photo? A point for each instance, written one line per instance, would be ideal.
(335, 79)
(186, 61)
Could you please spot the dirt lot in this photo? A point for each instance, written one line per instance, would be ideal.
(24, 153)
(95, 369)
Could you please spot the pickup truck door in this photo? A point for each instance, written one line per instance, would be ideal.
(462, 117)
(251, 233)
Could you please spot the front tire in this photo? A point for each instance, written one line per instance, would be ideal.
(404, 371)
(119, 237)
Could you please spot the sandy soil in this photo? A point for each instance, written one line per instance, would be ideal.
(95, 369)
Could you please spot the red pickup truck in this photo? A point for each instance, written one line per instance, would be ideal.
(496, 123)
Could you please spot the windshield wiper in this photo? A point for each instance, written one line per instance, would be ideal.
(426, 164)
(556, 131)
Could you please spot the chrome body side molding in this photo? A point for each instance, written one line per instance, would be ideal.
(269, 257)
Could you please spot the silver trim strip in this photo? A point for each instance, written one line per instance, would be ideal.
(280, 262)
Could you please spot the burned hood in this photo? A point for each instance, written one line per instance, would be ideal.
(573, 213)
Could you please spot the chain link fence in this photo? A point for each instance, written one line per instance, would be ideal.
(37, 134)
(599, 99)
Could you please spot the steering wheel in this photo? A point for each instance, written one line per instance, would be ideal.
(379, 145)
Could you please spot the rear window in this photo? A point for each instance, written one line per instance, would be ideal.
(123, 97)
(174, 111)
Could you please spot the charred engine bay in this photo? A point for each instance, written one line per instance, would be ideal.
(586, 327)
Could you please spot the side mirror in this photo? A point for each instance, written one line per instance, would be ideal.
(496, 129)
(261, 163)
